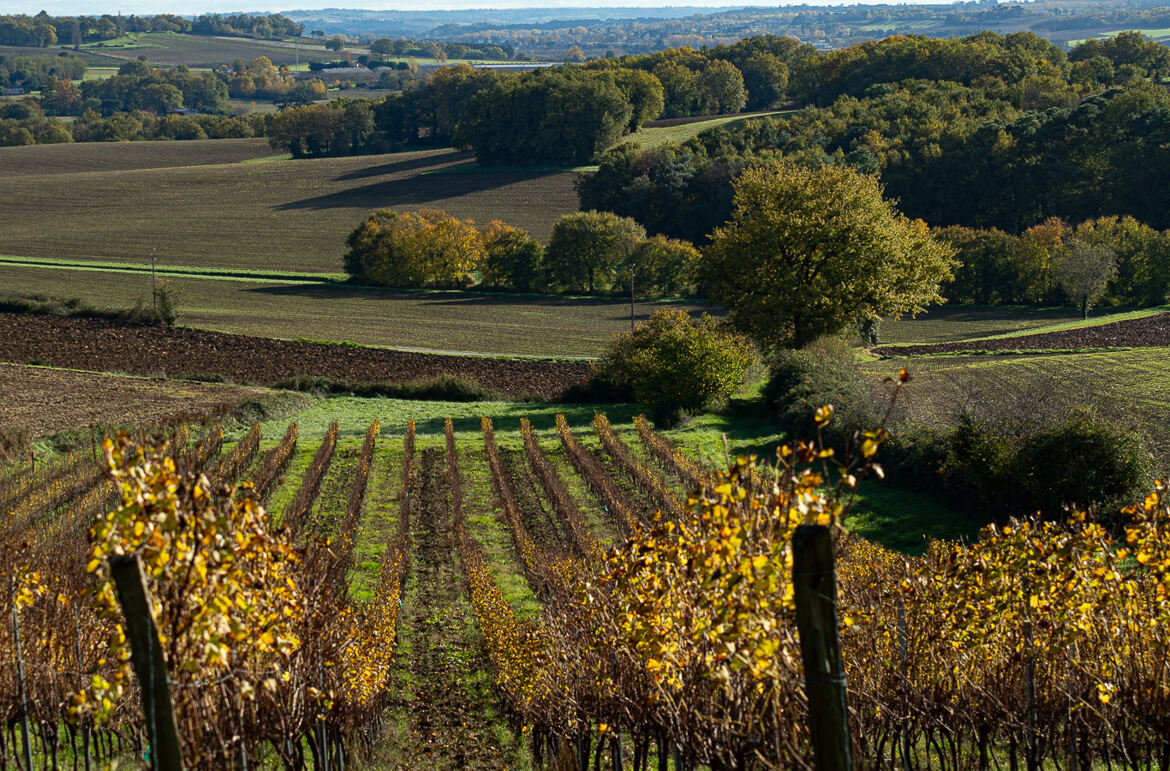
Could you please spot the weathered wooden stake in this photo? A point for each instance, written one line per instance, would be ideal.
(25, 739)
(815, 593)
(150, 666)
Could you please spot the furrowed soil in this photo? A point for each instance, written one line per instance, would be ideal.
(98, 344)
(41, 402)
(540, 522)
(76, 158)
(277, 214)
(1149, 331)
(450, 718)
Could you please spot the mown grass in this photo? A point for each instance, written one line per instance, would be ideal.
(655, 136)
(282, 214)
(499, 324)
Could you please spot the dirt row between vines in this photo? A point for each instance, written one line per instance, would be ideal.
(110, 346)
(450, 720)
(1146, 332)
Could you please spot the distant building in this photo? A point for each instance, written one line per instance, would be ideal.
(181, 111)
(14, 91)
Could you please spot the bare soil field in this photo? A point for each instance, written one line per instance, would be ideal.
(1149, 331)
(100, 345)
(40, 160)
(43, 401)
(282, 214)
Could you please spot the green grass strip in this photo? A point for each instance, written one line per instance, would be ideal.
(259, 275)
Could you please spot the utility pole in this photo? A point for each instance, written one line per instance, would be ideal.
(153, 284)
(632, 296)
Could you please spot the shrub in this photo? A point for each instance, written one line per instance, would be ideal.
(674, 364)
(444, 388)
(824, 372)
(1082, 463)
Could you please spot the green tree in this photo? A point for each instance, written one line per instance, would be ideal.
(335, 43)
(722, 87)
(512, 258)
(413, 249)
(664, 267)
(587, 248)
(673, 363)
(1084, 271)
(810, 252)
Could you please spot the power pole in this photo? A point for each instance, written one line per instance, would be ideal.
(153, 284)
(632, 297)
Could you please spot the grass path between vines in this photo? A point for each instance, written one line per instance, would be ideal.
(452, 717)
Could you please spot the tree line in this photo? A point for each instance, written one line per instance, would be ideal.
(44, 30)
(32, 72)
(594, 252)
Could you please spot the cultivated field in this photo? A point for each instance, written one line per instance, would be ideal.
(974, 325)
(500, 324)
(91, 58)
(170, 48)
(96, 344)
(39, 401)
(282, 214)
(1131, 388)
(82, 157)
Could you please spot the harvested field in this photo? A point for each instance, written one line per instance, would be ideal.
(948, 323)
(1148, 331)
(43, 401)
(41, 160)
(492, 323)
(284, 214)
(171, 48)
(101, 345)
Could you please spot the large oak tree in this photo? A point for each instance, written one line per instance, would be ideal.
(811, 251)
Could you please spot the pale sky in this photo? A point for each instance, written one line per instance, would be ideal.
(195, 7)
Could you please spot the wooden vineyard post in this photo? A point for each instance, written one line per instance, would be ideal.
(146, 654)
(25, 737)
(815, 593)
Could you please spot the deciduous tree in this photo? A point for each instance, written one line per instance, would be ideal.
(413, 249)
(586, 249)
(1084, 271)
(812, 251)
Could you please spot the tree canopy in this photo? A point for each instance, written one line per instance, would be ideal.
(809, 252)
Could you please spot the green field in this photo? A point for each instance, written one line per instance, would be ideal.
(1129, 388)
(654, 136)
(502, 324)
(284, 214)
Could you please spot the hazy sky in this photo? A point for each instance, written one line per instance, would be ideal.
(187, 7)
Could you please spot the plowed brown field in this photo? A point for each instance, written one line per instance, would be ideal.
(1146, 332)
(96, 344)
